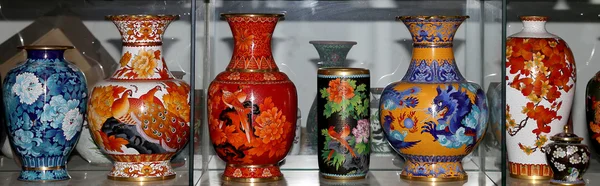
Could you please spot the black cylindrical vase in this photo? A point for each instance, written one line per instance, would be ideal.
(343, 122)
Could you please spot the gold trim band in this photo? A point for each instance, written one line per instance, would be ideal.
(252, 166)
(141, 16)
(343, 178)
(142, 179)
(566, 184)
(434, 179)
(253, 180)
(402, 18)
(251, 15)
(142, 44)
(43, 168)
(254, 70)
(45, 47)
(343, 71)
(530, 177)
(432, 45)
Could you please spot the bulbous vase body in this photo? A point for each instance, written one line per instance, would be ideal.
(433, 117)
(140, 116)
(540, 84)
(252, 105)
(45, 101)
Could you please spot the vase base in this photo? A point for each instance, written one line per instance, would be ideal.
(525, 177)
(142, 171)
(529, 171)
(560, 182)
(252, 173)
(44, 174)
(433, 168)
(343, 177)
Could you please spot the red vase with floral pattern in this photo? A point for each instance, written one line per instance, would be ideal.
(252, 105)
(140, 116)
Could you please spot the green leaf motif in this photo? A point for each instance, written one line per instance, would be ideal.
(362, 148)
(361, 87)
(338, 159)
(324, 93)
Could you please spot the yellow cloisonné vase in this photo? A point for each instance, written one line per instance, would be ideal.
(433, 117)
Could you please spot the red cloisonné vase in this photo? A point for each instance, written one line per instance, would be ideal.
(252, 105)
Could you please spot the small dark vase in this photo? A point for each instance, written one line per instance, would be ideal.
(592, 109)
(568, 158)
(332, 54)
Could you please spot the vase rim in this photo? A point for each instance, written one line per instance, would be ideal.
(321, 42)
(341, 71)
(142, 16)
(252, 15)
(533, 18)
(45, 47)
(431, 17)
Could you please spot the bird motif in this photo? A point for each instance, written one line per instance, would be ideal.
(341, 138)
(151, 119)
(235, 100)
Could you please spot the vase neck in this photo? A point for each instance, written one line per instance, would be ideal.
(534, 27)
(332, 53)
(142, 57)
(252, 43)
(433, 64)
(45, 56)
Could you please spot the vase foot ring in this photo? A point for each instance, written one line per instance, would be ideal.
(343, 178)
(253, 180)
(463, 178)
(558, 182)
(530, 177)
(141, 179)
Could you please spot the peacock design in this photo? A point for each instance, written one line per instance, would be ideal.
(145, 124)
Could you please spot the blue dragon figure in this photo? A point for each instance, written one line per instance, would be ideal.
(460, 121)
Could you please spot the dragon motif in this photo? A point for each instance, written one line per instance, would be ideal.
(460, 121)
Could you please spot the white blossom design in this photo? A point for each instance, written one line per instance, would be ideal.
(574, 160)
(559, 166)
(571, 149)
(559, 153)
(27, 87)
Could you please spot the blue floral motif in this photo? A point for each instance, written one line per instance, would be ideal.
(46, 104)
(27, 87)
(54, 111)
(421, 71)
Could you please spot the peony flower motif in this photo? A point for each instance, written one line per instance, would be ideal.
(574, 160)
(23, 138)
(146, 170)
(571, 150)
(362, 131)
(559, 153)
(72, 123)
(559, 166)
(28, 87)
(270, 125)
(339, 90)
(54, 111)
(125, 59)
(509, 51)
(144, 63)
(178, 104)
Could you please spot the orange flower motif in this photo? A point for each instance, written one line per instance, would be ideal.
(125, 59)
(146, 170)
(178, 104)
(269, 77)
(234, 76)
(145, 32)
(267, 104)
(217, 135)
(244, 40)
(144, 63)
(339, 90)
(269, 126)
(111, 143)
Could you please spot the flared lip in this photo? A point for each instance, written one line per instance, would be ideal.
(324, 42)
(533, 18)
(431, 17)
(142, 16)
(45, 47)
(227, 15)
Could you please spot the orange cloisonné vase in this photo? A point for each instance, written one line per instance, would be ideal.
(540, 85)
(252, 105)
(140, 116)
(433, 117)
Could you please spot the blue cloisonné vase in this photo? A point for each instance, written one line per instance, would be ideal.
(433, 117)
(45, 101)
